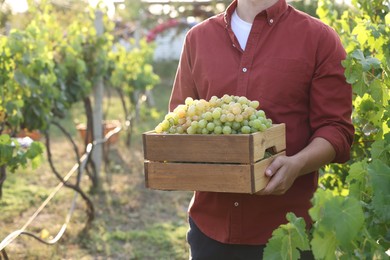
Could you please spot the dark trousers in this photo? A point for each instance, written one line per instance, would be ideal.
(205, 248)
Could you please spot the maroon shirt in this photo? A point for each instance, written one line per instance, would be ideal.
(292, 66)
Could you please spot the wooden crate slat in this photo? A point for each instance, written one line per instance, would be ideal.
(196, 148)
(241, 148)
(198, 176)
(239, 178)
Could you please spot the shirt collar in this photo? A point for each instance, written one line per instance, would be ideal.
(273, 12)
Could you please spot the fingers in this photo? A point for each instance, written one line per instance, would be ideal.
(279, 182)
(274, 166)
(275, 186)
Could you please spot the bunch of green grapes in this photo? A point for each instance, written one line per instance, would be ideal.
(226, 115)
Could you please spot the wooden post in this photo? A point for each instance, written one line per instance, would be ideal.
(97, 153)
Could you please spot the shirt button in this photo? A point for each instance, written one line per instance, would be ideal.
(234, 45)
(244, 70)
(271, 20)
(236, 204)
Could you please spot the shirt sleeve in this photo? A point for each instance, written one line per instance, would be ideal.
(331, 97)
(184, 85)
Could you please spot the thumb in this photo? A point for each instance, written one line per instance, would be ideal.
(274, 166)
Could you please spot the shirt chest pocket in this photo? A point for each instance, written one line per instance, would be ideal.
(284, 81)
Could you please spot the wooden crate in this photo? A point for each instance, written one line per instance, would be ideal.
(218, 163)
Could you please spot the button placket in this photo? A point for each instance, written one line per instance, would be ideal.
(254, 42)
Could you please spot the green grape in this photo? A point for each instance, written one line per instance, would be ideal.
(242, 100)
(218, 129)
(208, 116)
(205, 131)
(180, 111)
(165, 124)
(256, 123)
(191, 111)
(245, 129)
(210, 126)
(245, 115)
(158, 129)
(230, 117)
(238, 118)
(189, 101)
(236, 109)
(236, 125)
(202, 123)
(216, 113)
(191, 130)
(217, 122)
(201, 105)
(226, 130)
(260, 113)
(262, 127)
(228, 124)
(223, 118)
(180, 130)
(255, 104)
(227, 99)
(213, 101)
(194, 124)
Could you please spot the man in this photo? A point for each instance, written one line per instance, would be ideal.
(291, 63)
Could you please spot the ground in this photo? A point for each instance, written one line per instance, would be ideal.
(131, 221)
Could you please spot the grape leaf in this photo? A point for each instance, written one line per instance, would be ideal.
(34, 153)
(361, 33)
(376, 89)
(380, 150)
(360, 87)
(323, 245)
(320, 197)
(6, 149)
(353, 73)
(340, 215)
(380, 178)
(345, 216)
(357, 178)
(287, 239)
(366, 62)
(357, 54)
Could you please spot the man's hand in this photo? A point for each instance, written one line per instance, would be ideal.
(285, 169)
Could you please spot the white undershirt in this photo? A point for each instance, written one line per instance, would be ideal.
(241, 29)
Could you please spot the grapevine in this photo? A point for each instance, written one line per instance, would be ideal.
(351, 208)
